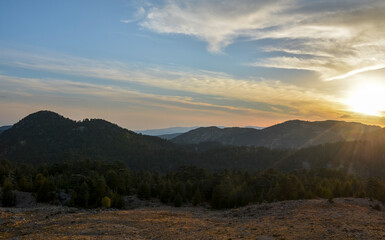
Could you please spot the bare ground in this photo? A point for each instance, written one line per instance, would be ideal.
(304, 219)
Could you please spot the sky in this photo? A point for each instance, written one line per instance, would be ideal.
(157, 64)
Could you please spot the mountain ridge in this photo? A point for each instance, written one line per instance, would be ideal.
(62, 138)
(292, 134)
(46, 137)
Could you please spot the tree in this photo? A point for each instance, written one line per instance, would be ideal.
(25, 184)
(83, 195)
(8, 197)
(166, 193)
(117, 201)
(99, 191)
(144, 190)
(178, 200)
(45, 192)
(197, 198)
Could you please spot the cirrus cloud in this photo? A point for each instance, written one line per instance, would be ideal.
(335, 39)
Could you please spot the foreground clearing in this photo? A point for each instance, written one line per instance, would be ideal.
(304, 219)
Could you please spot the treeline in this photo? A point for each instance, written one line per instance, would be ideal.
(90, 184)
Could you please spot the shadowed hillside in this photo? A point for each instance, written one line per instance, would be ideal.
(49, 137)
(288, 135)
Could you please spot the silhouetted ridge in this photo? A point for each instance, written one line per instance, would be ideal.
(292, 134)
(46, 136)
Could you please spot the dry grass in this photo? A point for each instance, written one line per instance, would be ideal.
(308, 219)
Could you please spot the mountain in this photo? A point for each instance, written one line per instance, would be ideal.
(3, 128)
(46, 136)
(169, 136)
(165, 131)
(292, 134)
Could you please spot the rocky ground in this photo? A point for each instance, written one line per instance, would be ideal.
(304, 219)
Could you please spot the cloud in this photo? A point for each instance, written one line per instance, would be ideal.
(138, 15)
(191, 89)
(217, 22)
(343, 37)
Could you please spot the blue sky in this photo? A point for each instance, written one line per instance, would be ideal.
(153, 64)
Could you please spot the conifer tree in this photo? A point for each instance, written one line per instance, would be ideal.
(8, 198)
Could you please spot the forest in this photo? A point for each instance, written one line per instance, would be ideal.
(93, 184)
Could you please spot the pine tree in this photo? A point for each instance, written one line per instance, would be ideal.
(117, 201)
(197, 198)
(8, 197)
(83, 195)
(178, 200)
(144, 190)
(166, 193)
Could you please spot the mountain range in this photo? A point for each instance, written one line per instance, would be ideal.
(292, 134)
(173, 132)
(165, 131)
(47, 137)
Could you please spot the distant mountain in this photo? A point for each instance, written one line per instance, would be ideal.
(165, 131)
(3, 128)
(292, 134)
(48, 137)
(169, 136)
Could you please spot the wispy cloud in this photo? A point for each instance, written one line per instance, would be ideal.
(138, 15)
(161, 87)
(337, 38)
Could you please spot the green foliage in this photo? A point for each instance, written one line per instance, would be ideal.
(83, 195)
(376, 189)
(45, 191)
(117, 201)
(166, 193)
(178, 200)
(90, 182)
(8, 198)
(197, 198)
(144, 190)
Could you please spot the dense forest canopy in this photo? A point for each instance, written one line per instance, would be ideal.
(91, 184)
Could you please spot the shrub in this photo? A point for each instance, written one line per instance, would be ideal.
(106, 202)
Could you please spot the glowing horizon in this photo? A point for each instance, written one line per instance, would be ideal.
(171, 63)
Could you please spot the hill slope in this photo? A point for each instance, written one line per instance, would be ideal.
(288, 135)
(46, 137)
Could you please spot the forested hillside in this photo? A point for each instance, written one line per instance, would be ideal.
(47, 137)
(294, 134)
(94, 162)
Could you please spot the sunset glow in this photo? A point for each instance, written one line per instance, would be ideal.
(159, 64)
(368, 99)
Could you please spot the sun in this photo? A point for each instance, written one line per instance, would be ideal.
(367, 99)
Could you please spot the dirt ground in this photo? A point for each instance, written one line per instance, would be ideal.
(304, 219)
